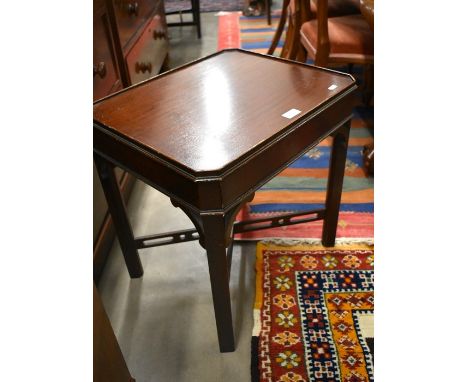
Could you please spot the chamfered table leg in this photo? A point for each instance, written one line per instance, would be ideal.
(335, 184)
(119, 216)
(214, 226)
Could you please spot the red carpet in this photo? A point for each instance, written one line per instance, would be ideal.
(228, 31)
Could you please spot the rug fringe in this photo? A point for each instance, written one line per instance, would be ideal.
(339, 241)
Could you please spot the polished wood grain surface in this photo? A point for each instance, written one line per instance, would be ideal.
(207, 115)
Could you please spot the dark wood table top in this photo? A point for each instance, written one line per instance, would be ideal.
(206, 116)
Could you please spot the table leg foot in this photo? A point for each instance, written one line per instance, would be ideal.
(119, 216)
(335, 184)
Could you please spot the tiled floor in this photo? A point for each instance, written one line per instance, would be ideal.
(164, 322)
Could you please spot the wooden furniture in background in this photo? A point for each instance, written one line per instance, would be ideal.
(337, 40)
(367, 10)
(194, 10)
(129, 45)
(298, 12)
(108, 361)
(211, 146)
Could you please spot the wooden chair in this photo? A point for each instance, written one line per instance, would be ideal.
(342, 40)
(338, 40)
(195, 11)
(298, 12)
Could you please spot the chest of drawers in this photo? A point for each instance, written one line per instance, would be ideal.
(129, 45)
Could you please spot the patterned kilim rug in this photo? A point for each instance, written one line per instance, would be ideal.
(313, 313)
(302, 186)
(205, 5)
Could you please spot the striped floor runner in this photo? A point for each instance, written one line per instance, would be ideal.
(302, 186)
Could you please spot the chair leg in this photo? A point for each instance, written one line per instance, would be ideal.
(288, 39)
(280, 28)
(301, 54)
(293, 52)
(295, 37)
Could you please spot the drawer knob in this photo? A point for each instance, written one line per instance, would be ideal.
(159, 34)
(143, 67)
(132, 8)
(100, 69)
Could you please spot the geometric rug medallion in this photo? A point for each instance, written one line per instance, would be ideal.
(314, 313)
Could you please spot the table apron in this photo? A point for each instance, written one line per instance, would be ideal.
(221, 193)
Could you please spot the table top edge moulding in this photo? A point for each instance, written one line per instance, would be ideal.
(231, 96)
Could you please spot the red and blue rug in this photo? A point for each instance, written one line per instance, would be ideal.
(302, 186)
(313, 313)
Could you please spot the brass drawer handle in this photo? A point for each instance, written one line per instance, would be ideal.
(132, 8)
(100, 69)
(143, 67)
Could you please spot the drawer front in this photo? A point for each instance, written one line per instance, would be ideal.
(147, 56)
(131, 15)
(105, 72)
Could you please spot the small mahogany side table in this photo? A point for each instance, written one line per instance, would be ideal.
(208, 135)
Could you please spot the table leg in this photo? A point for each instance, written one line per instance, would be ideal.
(335, 184)
(214, 227)
(119, 216)
(280, 27)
